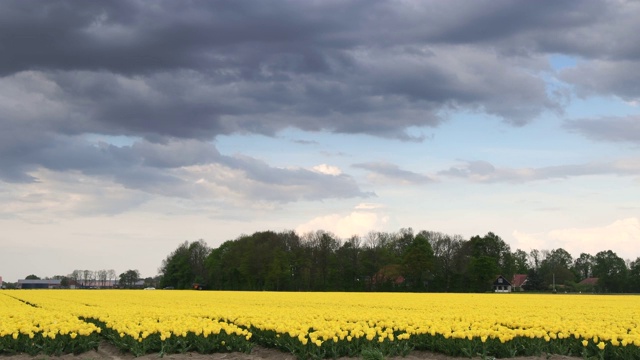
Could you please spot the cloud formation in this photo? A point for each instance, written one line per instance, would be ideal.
(614, 129)
(364, 218)
(384, 172)
(157, 69)
(619, 236)
(188, 169)
(159, 72)
(484, 172)
(126, 109)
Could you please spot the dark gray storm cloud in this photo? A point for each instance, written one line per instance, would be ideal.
(199, 69)
(605, 78)
(185, 72)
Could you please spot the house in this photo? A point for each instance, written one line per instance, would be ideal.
(0, 282)
(592, 281)
(588, 284)
(518, 281)
(389, 274)
(501, 285)
(38, 284)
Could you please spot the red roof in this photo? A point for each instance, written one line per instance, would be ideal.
(589, 281)
(389, 273)
(518, 280)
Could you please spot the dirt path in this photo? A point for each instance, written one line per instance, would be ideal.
(107, 351)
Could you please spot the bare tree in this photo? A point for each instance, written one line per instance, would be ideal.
(111, 276)
(102, 277)
(75, 276)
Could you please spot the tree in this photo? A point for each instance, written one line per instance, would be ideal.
(101, 276)
(323, 246)
(535, 257)
(111, 275)
(445, 249)
(185, 266)
(86, 276)
(417, 263)
(555, 269)
(129, 278)
(490, 256)
(32, 277)
(583, 266)
(349, 265)
(75, 277)
(375, 255)
(633, 284)
(520, 261)
(611, 271)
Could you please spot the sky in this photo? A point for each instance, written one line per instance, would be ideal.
(129, 127)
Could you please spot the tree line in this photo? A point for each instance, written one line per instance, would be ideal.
(379, 261)
(99, 279)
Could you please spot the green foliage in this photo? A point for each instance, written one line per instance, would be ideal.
(39, 344)
(417, 263)
(185, 266)
(177, 343)
(371, 354)
(427, 261)
(611, 271)
(129, 278)
(376, 348)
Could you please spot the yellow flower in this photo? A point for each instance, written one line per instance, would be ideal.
(585, 343)
(601, 345)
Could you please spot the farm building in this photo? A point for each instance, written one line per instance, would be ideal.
(501, 285)
(519, 280)
(38, 284)
(589, 284)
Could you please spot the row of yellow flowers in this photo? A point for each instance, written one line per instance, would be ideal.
(336, 324)
(26, 327)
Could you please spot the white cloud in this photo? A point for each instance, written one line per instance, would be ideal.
(528, 242)
(621, 237)
(327, 169)
(369, 206)
(361, 221)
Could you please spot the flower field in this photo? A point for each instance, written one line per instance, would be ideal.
(320, 325)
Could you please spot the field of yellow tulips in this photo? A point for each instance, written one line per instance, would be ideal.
(320, 325)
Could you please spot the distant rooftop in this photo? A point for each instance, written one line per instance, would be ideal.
(48, 282)
(589, 281)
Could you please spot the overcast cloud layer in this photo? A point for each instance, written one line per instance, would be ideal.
(121, 109)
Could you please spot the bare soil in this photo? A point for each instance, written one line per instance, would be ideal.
(107, 351)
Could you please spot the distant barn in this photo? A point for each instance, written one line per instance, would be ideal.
(38, 284)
